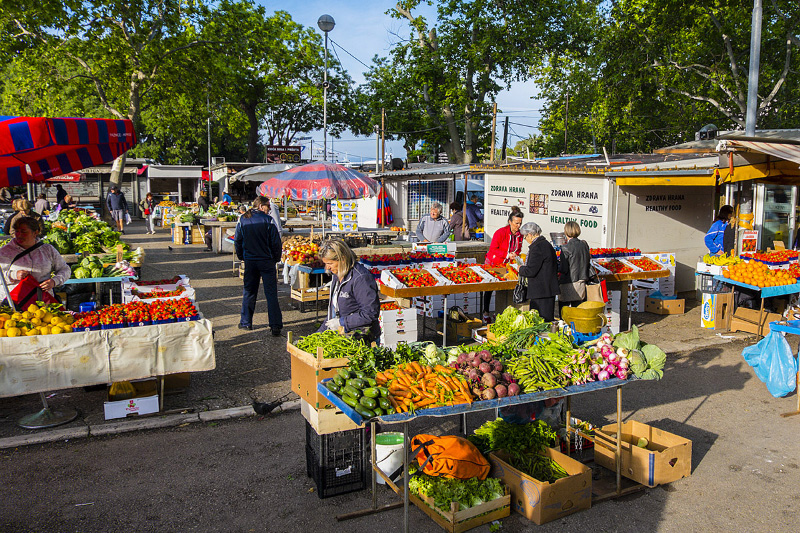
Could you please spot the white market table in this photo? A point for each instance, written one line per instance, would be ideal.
(216, 232)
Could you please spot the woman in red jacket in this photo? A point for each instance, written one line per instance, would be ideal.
(506, 245)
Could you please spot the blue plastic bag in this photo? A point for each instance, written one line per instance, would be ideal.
(774, 363)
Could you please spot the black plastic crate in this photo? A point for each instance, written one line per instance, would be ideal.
(337, 462)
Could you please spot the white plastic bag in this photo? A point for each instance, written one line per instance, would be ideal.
(127, 218)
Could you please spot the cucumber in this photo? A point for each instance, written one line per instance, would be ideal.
(385, 404)
(349, 400)
(369, 403)
(333, 387)
(363, 411)
(343, 373)
(371, 382)
(357, 383)
(339, 380)
(379, 412)
(384, 392)
(352, 391)
(372, 392)
(360, 374)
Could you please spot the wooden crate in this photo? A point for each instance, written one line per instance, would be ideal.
(198, 235)
(310, 298)
(308, 370)
(457, 521)
(325, 421)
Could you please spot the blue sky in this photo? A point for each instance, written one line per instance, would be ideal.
(364, 29)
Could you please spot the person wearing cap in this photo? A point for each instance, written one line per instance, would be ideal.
(117, 206)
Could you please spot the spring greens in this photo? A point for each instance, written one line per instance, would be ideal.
(467, 492)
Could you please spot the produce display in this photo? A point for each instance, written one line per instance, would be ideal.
(176, 279)
(159, 293)
(166, 203)
(460, 274)
(759, 275)
(722, 260)
(646, 264)
(301, 250)
(134, 257)
(77, 232)
(92, 267)
(778, 256)
(414, 277)
(485, 374)
(614, 252)
(136, 313)
(443, 491)
(646, 360)
(615, 266)
(794, 270)
(406, 258)
(399, 229)
(333, 345)
(35, 320)
(512, 319)
(552, 363)
(389, 306)
(524, 444)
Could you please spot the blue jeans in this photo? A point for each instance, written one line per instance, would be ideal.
(255, 271)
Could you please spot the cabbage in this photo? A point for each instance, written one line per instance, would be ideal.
(629, 341)
(97, 273)
(82, 273)
(637, 362)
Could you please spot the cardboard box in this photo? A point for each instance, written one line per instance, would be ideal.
(747, 320)
(339, 225)
(345, 216)
(325, 421)
(392, 339)
(344, 205)
(145, 401)
(543, 502)
(198, 234)
(459, 329)
(716, 311)
(665, 307)
(667, 458)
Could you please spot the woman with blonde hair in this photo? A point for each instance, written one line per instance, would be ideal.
(354, 302)
(23, 208)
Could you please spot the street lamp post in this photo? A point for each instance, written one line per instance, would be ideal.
(326, 24)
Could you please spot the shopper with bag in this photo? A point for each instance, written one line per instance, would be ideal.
(573, 268)
(31, 268)
(148, 207)
(541, 271)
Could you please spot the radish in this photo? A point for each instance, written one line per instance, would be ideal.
(612, 357)
(596, 369)
(606, 350)
(611, 369)
(622, 374)
(602, 376)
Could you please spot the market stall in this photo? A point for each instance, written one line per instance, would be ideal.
(530, 364)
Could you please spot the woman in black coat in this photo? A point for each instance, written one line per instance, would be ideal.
(541, 269)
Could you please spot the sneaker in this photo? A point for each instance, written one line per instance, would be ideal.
(276, 332)
(242, 326)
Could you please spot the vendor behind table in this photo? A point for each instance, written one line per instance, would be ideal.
(506, 246)
(433, 227)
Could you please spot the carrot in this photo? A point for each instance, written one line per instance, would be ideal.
(424, 403)
(415, 367)
(440, 368)
(466, 393)
(429, 394)
(443, 383)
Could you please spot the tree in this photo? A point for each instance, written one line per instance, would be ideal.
(121, 48)
(476, 49)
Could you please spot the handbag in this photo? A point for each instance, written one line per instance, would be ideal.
(521, 290)
(28, 290)
(573, 291)
(147, 211)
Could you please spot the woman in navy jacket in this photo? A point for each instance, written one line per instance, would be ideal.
(541, 269)
(354, 302)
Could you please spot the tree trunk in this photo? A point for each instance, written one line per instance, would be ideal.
(252, 132)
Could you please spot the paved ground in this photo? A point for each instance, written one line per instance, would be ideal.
(248, 474)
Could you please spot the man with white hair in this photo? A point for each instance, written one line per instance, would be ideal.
(433, 227)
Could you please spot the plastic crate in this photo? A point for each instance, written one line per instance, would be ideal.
(707, 283)
(336, 462)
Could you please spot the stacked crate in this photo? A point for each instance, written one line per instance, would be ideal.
(344, 215)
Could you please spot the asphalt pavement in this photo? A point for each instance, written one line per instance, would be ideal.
(214, 466)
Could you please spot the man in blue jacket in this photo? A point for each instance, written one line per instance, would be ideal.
(258, 245)
(117, 207)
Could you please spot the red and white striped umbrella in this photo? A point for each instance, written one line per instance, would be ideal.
(319, 180)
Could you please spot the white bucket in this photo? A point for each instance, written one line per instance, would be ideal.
(388, 452)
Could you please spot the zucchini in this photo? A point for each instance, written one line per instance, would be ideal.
(352, 391)
(378, 411)
(339, 380)
(360, 374)
(384, 392)
(371, 382)
(385, 404)
(363, 411)
(333, 387)
(357, 383)
(343, 373)
(372, 392)
(369, 403)
(349, 400)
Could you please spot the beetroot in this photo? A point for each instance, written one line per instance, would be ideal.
(485, 368)
(488, 394)
(497, 375)
(501, 391)
(489, 380)
(471, 355)
(486, 355)
(474, 375)
(513, 389)
(462, 358)
(476, 391)
(508, 378)
(497, 365)
(476, 362)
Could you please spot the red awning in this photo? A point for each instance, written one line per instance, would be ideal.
(71, 176)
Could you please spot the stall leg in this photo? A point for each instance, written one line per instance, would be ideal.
(619, 439)
(406, 444)
(372, 465)
(444, 325)
(464, 424)
(47, 418)
(797, 392)
(569, 425)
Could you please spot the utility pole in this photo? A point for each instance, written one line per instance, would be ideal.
(377, 147)
(383, 140)
(494, 127)
(505, 140)
(566, 116)
(755, 65)
(208, 108)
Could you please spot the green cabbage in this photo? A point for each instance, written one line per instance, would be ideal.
(82, 273)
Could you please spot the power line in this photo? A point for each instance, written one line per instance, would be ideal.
(348, 53)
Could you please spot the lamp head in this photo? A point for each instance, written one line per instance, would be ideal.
(326, 23)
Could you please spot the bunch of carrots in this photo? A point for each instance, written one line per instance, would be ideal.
(414, 386)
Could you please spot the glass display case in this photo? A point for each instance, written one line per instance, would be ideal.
(778, 214)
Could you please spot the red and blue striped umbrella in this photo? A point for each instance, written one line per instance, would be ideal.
(319, 180)
(38, 148)
(384, 208)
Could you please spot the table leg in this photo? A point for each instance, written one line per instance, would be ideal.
(216, 239)
(405, 476)
(444, 325)
(372, 465)
(759, 328)
(619, 440)
(569, 419)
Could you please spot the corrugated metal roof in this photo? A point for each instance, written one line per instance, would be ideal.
(438, 170)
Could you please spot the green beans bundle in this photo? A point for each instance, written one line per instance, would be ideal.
(333, 345)
(545, 365)
(538, 467)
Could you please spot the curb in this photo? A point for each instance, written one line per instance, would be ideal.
(127, 426)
